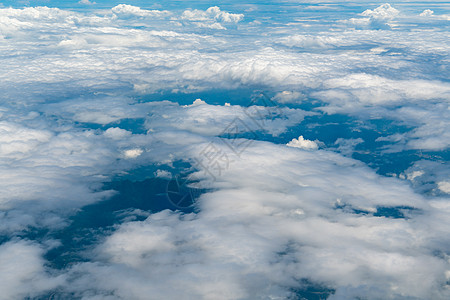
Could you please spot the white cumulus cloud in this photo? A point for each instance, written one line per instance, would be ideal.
(303, 144)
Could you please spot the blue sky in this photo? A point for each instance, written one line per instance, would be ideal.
(207, 150)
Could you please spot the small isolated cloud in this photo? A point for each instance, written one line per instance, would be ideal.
(198, 102)
(288, 97)
(133, 153)
(303, 144)
(427, 13)
(163, 174)
(212, 18)
(87, 2)
(212, 13)
(130, 11)
(379, 18)
(384, 12)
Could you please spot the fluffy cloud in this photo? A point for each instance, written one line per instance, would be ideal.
(428, 177)
(86, 2)
(288, 97)
(444, 186)
(379, 18)
(414, 102)
(126, 11)
(427, 13)
(383, 12)
(212, 13)
(369, 89)
(271, 224)
(80, 106)
(54, 170)
(215, 120)
(303, 144)
(212, 18)
(22, 272)
(309, 42)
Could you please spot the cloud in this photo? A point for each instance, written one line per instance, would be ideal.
(211, 26)
(408, 101)
(212, 120)
(22, 273)
(117, 133)
(426, 13)
(212, 13)
(347, 146)
(428, 177)
(370, 89)
(128, 11)
(213, 18)
(86, 2)
(163, 174)
(308, 42)
(383, 12)
(262, 231)
(133, 153)
(303, 144)
(379, 18)
(444, 186)
(81, 106)
(288, 97)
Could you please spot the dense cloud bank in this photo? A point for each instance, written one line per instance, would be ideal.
(243, 103)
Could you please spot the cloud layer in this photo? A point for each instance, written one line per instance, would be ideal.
(129, 94)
